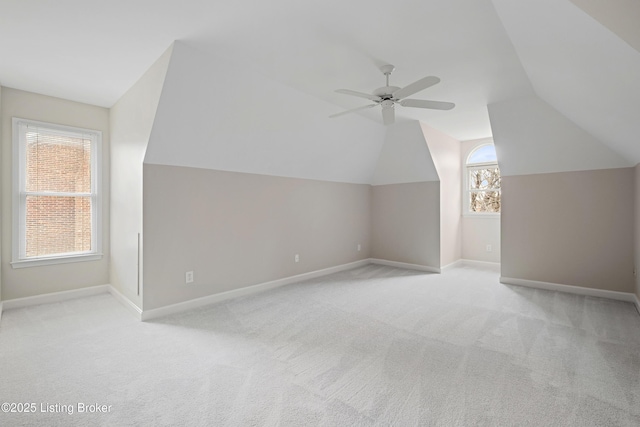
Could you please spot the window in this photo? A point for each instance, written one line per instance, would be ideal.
(56, 193)
(482, 180)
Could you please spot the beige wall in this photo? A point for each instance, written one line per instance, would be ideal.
(445, 152)
(406, 199)
(570, 228)
(31, 281)
(477, 233)
(235, 229)
(132, 118)
(406, 223)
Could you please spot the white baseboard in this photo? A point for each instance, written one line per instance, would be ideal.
(474, 263)
(602, 293)
(248, 290)
(128, 304)
(71, 294)
(457, 263)
(54, 297)
(404, 265)
(198, 302)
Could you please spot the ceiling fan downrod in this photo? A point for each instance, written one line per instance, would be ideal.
(387, 70)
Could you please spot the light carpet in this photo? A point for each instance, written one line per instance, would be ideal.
(370, 346)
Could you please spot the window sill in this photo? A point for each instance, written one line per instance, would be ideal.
(55, 260)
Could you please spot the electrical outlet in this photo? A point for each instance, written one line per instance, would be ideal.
(488, 248)
(359, 247)
(297, 258)
(189, 277)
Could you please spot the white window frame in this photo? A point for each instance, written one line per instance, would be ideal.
(20, 259)
(467, 191)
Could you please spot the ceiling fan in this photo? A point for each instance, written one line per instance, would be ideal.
(387, 96)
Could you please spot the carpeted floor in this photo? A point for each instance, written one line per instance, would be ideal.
(370, 346)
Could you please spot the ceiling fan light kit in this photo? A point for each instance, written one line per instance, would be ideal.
(387, 96)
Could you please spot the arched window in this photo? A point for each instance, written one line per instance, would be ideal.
(482, 181)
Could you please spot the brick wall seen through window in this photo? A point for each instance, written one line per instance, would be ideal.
(58, 194)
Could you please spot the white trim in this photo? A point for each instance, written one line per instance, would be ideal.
(405, 265)
(54, 297)
(473, 263)
(601, 293)
(457, 263)
(55, 260)
(71, 294)
(17, 172)
(466, 208)
(126, 302)
(19, 258)
(476, 145)
(210, 299)
(58, 194)
(481, 214)
(477, 263)
(248, 290)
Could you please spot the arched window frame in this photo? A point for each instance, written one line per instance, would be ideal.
(467, 168)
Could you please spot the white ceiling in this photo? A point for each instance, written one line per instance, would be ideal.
(282, 132)
(93, 51)
(580, 67)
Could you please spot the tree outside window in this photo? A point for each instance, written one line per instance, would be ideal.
(483, 181)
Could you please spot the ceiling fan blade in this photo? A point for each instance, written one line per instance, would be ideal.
(359, 94)
(414, 87)
(352, 110)
(421, 103)
(388, 115)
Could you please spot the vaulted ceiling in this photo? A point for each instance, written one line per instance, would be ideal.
(580, 58)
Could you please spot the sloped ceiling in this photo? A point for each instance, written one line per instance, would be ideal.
(405, 156)
(318, 47)
(246, 122)
(94, 51)
(485, 51)
(531, 137)
(580, 67)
